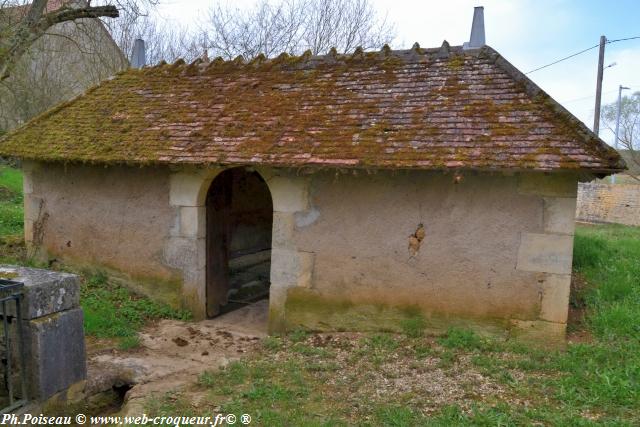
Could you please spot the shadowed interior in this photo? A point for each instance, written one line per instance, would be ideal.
(239, 222)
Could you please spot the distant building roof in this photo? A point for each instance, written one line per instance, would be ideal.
(443, 108)
(21, 10)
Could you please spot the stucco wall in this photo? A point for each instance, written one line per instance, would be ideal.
(619, 203)
(496, 254)
(116, 218)
(497, 251)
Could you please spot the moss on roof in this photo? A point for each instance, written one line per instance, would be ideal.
(418, 108)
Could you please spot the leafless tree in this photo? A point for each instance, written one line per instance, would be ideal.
(629, 135)
(23, 22)
(294, 26)
(163, 41)
(66, 51)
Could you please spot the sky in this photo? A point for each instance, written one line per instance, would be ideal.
(528, 33)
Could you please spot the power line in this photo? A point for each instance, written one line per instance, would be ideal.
(580, 53)
(585, 97)
(563, 59)
(622, 40)
(593, 96)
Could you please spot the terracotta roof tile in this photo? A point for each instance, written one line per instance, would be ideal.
(419, 108)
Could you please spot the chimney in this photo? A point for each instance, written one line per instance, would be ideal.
(138, 57)
(477, 29)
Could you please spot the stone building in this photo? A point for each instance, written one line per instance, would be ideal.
(371, 188)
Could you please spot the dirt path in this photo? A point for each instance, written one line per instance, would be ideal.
(173, 354)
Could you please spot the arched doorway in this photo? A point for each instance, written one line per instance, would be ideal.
(239, 222)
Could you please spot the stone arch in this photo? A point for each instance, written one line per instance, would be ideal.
(185, 249)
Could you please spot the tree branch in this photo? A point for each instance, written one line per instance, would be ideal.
(35, 25)
(68, 14)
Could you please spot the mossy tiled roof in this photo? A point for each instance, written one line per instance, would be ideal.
(419, 108)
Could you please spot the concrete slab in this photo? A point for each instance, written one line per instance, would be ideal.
(45, 292)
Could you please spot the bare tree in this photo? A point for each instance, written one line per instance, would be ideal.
(163, 41)
(294, 26)
(69, 51)
(22, 22)
(629, 135)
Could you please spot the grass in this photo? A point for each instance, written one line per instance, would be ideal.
(110, 310)
(113, 311)
(11, 206)
(460, 379)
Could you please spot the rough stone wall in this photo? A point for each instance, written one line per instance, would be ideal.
(117, 218)
(497, 251)
(619, 203)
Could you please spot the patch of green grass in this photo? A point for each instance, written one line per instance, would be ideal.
(272, 343)
(382, 343)
(113, 311)
(11, 178)
(298, 335)
(11, 202)
(423, 351)
(396, 416)
(309, 350)
(607, 256)
(206, 379)
(414, 326)
(463, 339)
(128, 343)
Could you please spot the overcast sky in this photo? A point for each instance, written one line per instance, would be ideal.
(528, 33)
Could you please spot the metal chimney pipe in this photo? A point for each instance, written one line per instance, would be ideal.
(138, 56)
(477, 38)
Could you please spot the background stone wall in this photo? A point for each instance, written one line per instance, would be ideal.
(619, 203)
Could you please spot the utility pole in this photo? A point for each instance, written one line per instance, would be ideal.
(596, 114)
(615, 143)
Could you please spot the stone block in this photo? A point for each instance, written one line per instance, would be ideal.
(55, 353)
(193, 221)
(291, 268)
(545, 253)
(559, 215)
(289, 193)
(27, 181)
(44, 291)
(283, 228)
(32, 207)
(181, 252)
(28, 230)
(554, 305)
(550, 185)
(186, 187)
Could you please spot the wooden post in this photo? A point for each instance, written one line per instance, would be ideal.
(596, 114)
